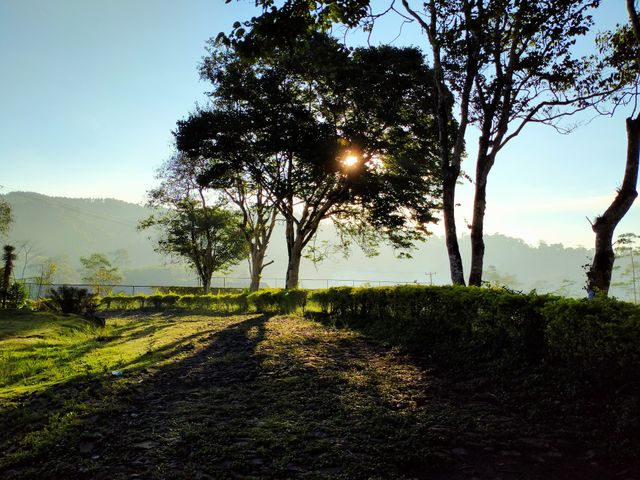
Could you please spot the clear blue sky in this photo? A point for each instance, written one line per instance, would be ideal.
(90, 91)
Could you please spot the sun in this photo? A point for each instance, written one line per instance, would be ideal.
(350, 161)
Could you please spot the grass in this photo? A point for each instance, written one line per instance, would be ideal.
(38, 350)
(250, 396)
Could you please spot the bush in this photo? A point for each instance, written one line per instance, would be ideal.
(264, 301)
(122, 302)
(16, 296)
(598, 338)
(221, 303)
(278, 300)
(67, 299)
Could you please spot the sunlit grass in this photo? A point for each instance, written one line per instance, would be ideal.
(39, 350)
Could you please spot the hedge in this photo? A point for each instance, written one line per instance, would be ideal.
(596, 340)
(267, 301)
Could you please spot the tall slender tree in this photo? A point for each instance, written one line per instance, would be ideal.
(622, 49)
(8, 259)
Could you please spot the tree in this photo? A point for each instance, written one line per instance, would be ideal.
(622, 50)
(99, 273)
(507, 62)
(46, 271)
(627, 247)
(6, 217)
(182, 178)
(208, 238)
(326, 134)
(8, 258)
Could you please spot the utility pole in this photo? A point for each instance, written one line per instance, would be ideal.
(431, 274)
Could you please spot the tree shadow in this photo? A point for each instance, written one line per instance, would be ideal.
(266, 397)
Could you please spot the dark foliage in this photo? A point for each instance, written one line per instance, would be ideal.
(68, 299)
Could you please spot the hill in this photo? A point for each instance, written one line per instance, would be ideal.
(68, 228)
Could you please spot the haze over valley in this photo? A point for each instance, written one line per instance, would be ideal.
(64, 229)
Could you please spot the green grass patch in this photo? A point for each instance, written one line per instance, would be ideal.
(38, 350)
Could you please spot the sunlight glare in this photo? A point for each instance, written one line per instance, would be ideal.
(350, 161)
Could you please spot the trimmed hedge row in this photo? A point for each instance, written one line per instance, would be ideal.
(598, 340)
(272, 301)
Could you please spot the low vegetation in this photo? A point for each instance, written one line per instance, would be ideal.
(263, 301)
(415, 382)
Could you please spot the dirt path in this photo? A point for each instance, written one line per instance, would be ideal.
(283, 397)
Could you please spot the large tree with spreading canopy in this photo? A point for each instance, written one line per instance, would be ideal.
(328, 133)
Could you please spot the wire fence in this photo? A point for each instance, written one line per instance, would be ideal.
(218, 285)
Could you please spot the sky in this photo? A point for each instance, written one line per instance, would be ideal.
(91, 90)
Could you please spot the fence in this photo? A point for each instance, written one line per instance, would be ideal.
(218, 284)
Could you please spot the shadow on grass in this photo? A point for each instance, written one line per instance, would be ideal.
(266, 397)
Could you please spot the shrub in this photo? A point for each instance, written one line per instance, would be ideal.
(16, 296)
(67, 299)
(271, 301)
(596, 337)
(278, 300)
(122, 302)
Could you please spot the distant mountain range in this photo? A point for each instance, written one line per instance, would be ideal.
(67, 228)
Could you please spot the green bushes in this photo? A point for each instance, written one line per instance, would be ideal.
(16, 296)
(271, 301)
(276, 300)
(595, 340)
(600, 338)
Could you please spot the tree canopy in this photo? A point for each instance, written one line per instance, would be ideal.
(507, 62)
(98, 272)
(6, 217)
(327, 133)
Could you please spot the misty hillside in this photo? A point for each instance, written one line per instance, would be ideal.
(67, 228)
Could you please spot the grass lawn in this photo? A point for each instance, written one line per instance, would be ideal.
(39, 350)
(251, 396)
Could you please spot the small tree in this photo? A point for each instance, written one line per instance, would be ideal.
(8, 258)
(208, 238)
(627, 247)
(98, 272)
(183, 176)
(6, 217)
(46, 271)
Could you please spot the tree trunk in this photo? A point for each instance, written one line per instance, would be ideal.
(450, 231)
(293, 265)
(484, 164)
(206, 284)
(477, 233)
(599, 275)
(256, 266)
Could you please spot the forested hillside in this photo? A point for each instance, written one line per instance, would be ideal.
(65, 229)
